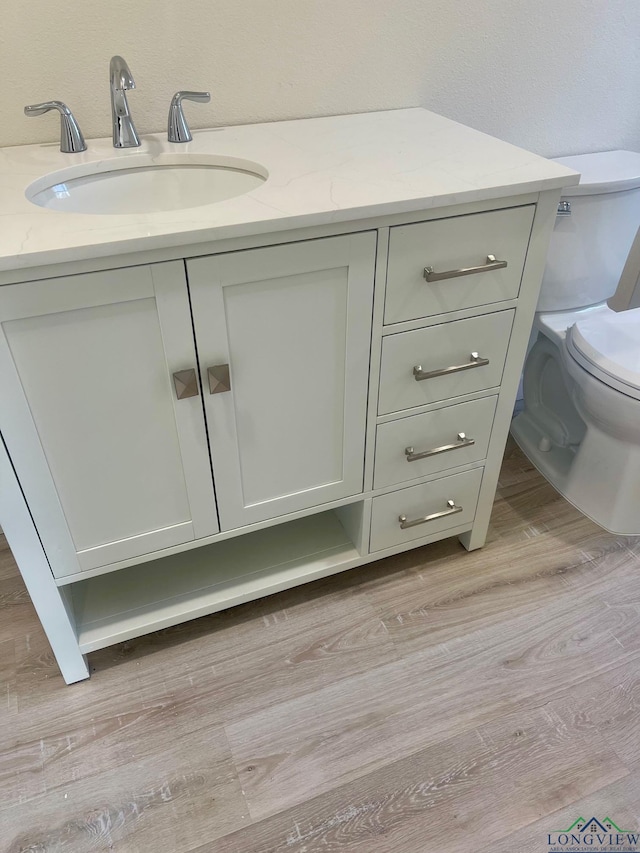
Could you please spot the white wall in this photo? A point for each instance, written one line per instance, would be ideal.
(555, 76)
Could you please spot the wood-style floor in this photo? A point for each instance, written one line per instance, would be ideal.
(433, 702)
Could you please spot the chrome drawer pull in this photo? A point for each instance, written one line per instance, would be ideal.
(462, 441)
(452, 510)
(491, 264)
(475, 360)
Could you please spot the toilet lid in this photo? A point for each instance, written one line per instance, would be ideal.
(607, 344)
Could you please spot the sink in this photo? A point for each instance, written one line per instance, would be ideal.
(141, 183)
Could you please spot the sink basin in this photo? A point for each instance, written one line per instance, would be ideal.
(140, 183)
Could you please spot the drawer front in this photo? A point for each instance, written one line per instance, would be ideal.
(448, 246)
(446, 351)
(429, 443)
(426, 505)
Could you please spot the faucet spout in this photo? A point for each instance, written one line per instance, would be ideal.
(120, 74)
(120, 80)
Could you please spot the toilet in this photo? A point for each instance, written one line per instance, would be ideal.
(580, 425)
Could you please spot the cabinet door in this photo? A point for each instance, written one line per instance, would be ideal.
(113, 464)
(293, 324)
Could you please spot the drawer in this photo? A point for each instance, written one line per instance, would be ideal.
(434, 441)
(424, 509)
(444, 352)
(450, 247)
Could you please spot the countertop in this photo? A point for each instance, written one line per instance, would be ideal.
(321, 171)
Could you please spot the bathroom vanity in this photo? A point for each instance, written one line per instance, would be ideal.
(204, 405)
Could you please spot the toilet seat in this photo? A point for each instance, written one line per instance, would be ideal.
(607, 345)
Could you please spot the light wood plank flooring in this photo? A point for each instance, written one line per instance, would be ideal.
(434, 701)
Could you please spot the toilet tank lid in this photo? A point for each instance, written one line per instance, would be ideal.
(610, 342)
(603, 172)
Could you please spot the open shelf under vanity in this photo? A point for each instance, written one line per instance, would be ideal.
(112, 608)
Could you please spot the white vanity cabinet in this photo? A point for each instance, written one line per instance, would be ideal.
(193, 433)
(201, 407)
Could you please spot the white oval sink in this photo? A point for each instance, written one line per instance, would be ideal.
(144, 184)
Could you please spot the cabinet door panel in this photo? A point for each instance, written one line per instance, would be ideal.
(87, 366)
(293, 323)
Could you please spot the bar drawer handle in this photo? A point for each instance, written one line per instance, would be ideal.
(475, 360)
(452, 510)
(492, 264)
(186, 384)
(462, 441)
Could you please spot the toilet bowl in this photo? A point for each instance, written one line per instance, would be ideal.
(581, 420)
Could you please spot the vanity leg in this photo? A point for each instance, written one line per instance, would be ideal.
(477, 536)
(474, 538)
(49, 601)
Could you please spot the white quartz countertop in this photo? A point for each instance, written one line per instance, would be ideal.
(321, 171)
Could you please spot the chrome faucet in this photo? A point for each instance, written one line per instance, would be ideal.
(121, 79)
(71, 138)
(177, 127)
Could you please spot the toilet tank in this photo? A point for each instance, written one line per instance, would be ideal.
(589, 245)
